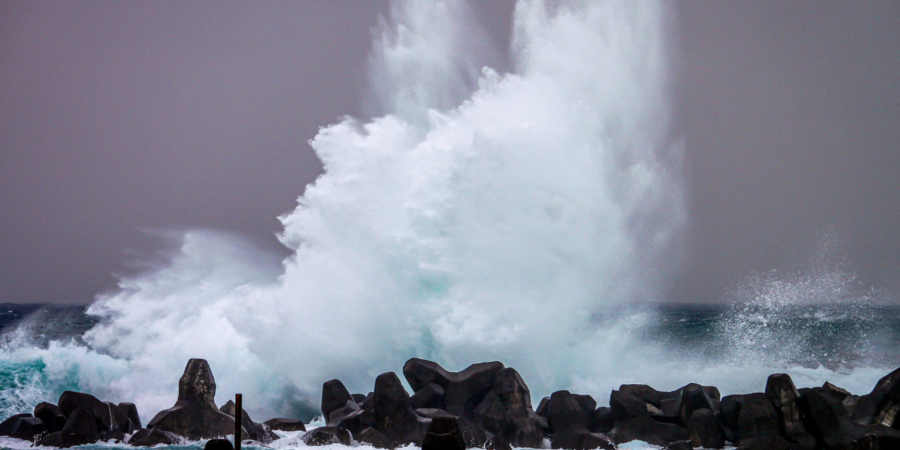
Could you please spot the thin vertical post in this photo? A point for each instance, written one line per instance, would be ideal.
(237, 421)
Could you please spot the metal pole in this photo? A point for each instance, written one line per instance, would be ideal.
(237, 421)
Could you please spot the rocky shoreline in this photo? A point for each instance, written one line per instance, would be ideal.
(488, 406)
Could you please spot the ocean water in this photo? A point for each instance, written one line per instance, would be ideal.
(849, 345)
(533, 215)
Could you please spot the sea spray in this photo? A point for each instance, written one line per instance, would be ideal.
(821, 315)
(482, 214)
(501, 227)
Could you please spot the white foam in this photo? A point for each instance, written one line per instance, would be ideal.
(484, 216)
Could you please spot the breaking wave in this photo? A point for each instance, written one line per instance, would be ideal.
(523, 216)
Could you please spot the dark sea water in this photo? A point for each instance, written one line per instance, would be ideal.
(518, 219)
(831, 338)
(834, 337)
(41, 324)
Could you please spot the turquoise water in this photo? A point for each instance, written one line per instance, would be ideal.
(28, 335)
(836, 340)
(817, 341)
(480, 216)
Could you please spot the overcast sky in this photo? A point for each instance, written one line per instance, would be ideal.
(117, 116)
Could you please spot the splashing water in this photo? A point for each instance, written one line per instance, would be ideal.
(480, 216)
(485, 216)
(824, 315)
(821, 322)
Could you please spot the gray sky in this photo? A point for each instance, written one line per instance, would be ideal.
(116, 116)
(791, 113)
